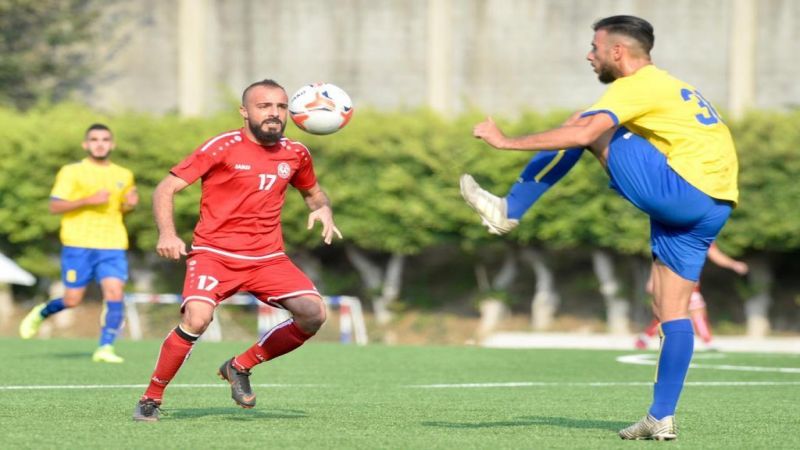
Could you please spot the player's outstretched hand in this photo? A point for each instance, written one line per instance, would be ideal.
(740, 267)
(324, 215)
(170, 247)
(489, 132)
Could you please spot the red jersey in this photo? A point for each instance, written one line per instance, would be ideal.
(243, 191)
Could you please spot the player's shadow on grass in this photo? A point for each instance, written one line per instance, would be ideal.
(526, 421)
(71, 355)
(234, 414)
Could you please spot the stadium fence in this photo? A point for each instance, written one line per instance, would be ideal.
(352, 327)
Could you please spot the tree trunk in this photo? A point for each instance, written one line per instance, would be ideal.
(545, 300)
(641, 308)
(756, 308)
(392, 282)
(493, 310)
(6, 303)
(312, 267)
(384, 286)
(144, 272)
(617, 307)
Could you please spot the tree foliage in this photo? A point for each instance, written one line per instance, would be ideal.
(391, 178)
(393, 181)
(43, 48)
(767, 218)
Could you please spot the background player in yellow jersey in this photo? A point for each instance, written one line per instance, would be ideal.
(667, 151)
(92, 195)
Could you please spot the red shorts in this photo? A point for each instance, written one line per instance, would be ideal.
(212, 278)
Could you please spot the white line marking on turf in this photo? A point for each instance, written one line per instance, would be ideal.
(599, 384)
(34, 387)
(648, 359)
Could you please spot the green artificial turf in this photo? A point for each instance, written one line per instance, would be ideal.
(332, 396)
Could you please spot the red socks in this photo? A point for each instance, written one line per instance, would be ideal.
(700, 320)
(282, 339)
(174, 351)
(177, 347)
(701, 326)
(652, 329)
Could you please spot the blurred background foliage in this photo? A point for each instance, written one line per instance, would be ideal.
(393, 181)
(43, 49)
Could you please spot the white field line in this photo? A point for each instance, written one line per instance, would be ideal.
(638, 359)
(33, 387)
(418, 386)
(648, 359)
(599, 384)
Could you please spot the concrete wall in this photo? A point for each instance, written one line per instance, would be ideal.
(194, 56)
(778, 44)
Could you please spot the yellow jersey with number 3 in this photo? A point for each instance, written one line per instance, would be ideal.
(680, 123)
(98, 226)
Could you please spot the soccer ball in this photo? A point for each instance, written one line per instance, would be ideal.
(320, 108)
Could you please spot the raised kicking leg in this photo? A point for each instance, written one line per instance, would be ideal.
(502, 214)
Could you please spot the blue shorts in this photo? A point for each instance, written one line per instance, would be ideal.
(79, 266)
(684, 221)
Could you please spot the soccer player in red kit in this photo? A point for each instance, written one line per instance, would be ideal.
(238, 244)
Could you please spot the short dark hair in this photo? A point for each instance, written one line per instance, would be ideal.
(634, 27)
(96, 126)
(265, 82)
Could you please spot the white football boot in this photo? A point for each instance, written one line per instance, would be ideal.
(492, 209)
(650, 428)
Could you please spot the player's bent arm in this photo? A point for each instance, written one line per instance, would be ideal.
(169, 244)
(576, 132)
(58, 206)
(315, 197)
(574, 118)
(719, 258)
(61, 206)
(320, 206)
(130, 200)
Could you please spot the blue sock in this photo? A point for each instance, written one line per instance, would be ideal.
(53, 306)
(542, 171)
(112, 322)
(673, 363)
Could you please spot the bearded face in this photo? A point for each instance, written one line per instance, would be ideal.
(606, 73)
(98, 144)
(601, 56)
(268, 131)
(265, 112)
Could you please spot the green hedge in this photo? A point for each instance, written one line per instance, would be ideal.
(393, 180)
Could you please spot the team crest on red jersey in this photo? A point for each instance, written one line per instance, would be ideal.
(284, 170)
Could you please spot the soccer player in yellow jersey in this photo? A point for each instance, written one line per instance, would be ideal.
(92, 195)
(668, 152)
